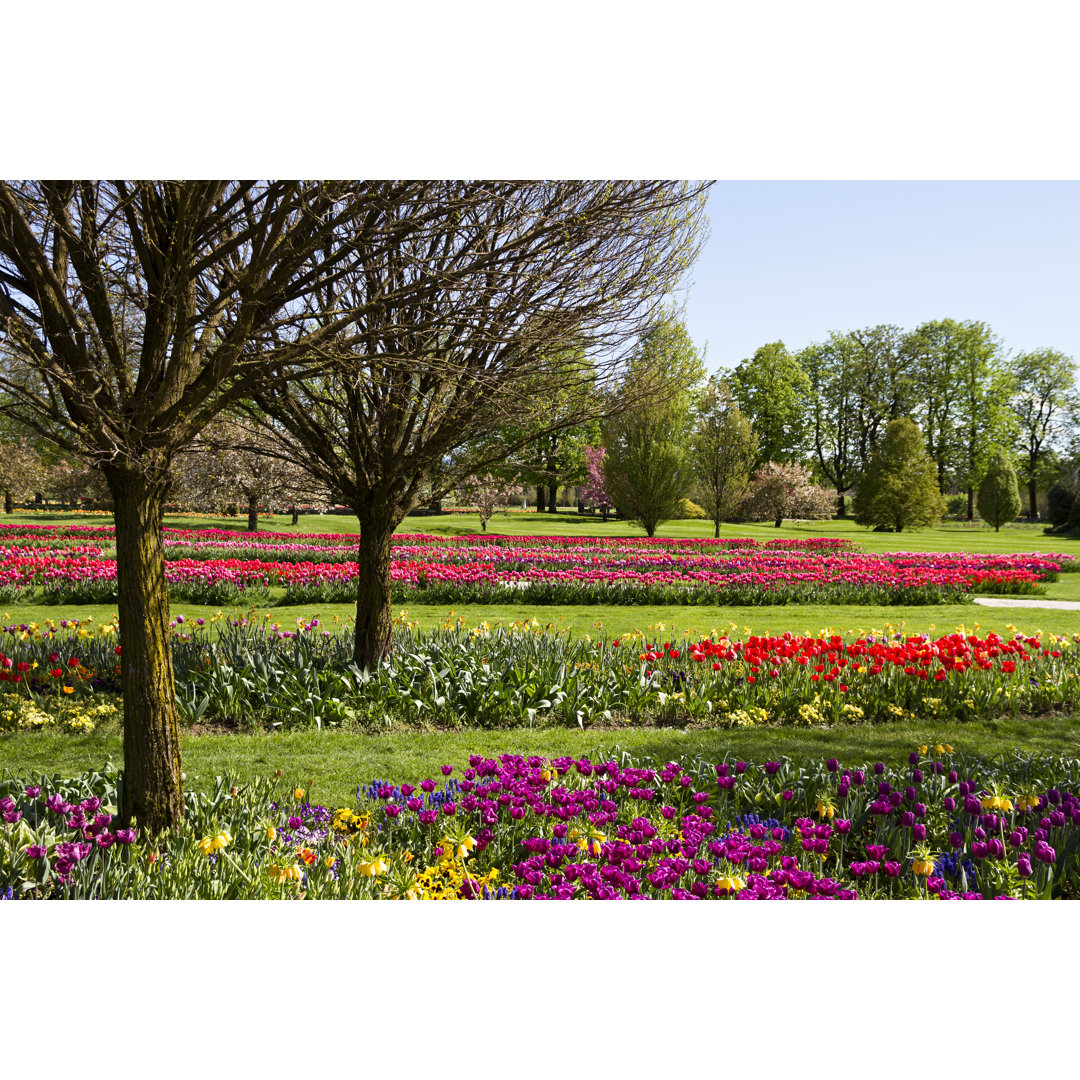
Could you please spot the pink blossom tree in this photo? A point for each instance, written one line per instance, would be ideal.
(593, 491)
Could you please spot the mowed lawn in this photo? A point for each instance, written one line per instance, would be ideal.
(337, 761)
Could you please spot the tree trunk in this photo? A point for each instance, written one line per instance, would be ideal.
(716, 534)
(295, 516)
(253, 514)
(374, 613)
(153, 792)
(541, 499)
(971, 504)
(553, 506)
(778, 522)
(841, 504)
(1033, 497)
(7, 502)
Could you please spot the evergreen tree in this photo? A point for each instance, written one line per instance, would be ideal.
(999, 496)
(899, 488)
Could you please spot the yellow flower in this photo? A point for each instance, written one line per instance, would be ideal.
(373, 868)
(922, 750)
(948, 749)
(223, 839)
(271, 833)
(298, 794)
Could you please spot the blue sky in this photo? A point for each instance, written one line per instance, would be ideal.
(792, 260)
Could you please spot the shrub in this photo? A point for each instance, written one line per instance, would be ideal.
(1059, 501)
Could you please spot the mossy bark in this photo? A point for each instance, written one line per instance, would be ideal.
(153, 790)
(374, 635)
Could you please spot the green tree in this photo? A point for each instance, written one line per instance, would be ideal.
(772, 391)
(999, 496)
(830, 368)
(723, 449)
(1044, 382)
(647, 468)
(899, 488)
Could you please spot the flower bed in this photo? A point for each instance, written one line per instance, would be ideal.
(319, 569)
(529, 828)
(256, 672)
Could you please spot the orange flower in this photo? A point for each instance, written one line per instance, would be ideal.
(307, 856)
(68, 689)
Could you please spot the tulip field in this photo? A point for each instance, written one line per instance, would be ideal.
(76, 564)
(936, 822)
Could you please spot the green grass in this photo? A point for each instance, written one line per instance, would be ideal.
(338, 761)
(616, 620)
(949, 536)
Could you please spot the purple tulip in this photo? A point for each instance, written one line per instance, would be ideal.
(1045, 853)
(1023, 864)
(956, 840)
(37, 851)
(858, 778)
(918, 832)
(392, 810)
(916, 776)
(952, 776)
(879, 768)
(447, 769)
(949, 803)
(832, 764)
(913, 757)
(33, 791)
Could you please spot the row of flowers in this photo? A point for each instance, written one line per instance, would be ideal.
(554, 578)
(256, 671)
(576, 828)
(54, 535)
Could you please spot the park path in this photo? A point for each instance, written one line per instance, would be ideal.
(996, 601)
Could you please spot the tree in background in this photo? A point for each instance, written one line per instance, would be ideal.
(647, 466)
(983, 419)
(453, 337)
(899, 488)
(773, 392)
(723, 449)
(132, 313)
(21, 470)
(236, 462)
(1044, 382)
(779, 491)
(999, 496)
(487, 493)
(830, 369)
(594, 491)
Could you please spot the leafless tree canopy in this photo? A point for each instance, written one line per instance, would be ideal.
(130, 311)
(456, 324)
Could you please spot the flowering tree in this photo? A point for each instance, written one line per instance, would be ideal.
(20, 469)
(488, 493)
(779, 491)
(593, 491)
(238, 462)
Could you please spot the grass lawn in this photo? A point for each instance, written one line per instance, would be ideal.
(337, 761)
(949, 536)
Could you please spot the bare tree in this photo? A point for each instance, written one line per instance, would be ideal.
(455, 336)
(131, 313)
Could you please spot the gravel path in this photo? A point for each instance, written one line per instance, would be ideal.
(995, 601)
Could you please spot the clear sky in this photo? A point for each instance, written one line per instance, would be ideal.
(793, 260)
